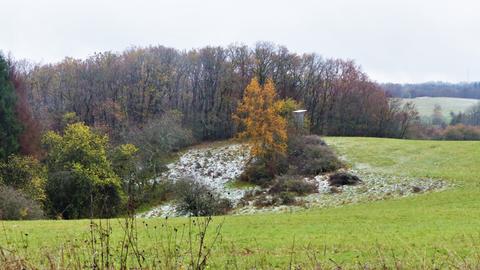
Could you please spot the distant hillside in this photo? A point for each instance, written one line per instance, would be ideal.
(433, 89)
(425, 105)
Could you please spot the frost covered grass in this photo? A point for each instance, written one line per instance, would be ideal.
(219, 165)
(419, 230)
(216, 166)
(375, 186)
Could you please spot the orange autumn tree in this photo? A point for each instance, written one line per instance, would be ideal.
(264, 127)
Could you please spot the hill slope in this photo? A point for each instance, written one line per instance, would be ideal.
(218, 166)
(419, 230)
(425, 105)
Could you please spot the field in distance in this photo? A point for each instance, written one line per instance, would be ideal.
(425, 105)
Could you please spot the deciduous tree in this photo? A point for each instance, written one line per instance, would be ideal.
(262, 124)
(81, 181)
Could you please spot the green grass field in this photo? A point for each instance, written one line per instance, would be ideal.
(417, 230)
(425, 105)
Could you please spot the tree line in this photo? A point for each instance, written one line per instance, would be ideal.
(121, 91)
(78, 135)
(434, 89)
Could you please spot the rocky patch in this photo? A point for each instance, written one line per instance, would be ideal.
(213, 166)
(216, 166)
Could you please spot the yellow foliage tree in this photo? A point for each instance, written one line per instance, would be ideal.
(264, 127)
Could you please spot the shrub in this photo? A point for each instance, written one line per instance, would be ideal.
(199, 200)
(309, 155)
(265, 200)
(155, 193)
(461, 132)
(25, 174)
(287, 198)
(14, 205)
(257, 173)
(157, 140)
(292, 184)
(343, 178)
(282, 198)
(313, 140)
(73, 194)
(81, 180)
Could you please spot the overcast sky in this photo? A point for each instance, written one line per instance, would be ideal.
(393, 40)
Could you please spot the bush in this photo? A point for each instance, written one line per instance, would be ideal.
(313, 140)
(257, 173)
(461, 132)
(287, 198)
(25, 174)
(81, 180)
(199, 200)
(282, 198)
(317, 159)
(292, 184)
(157, 140)
(155, 193)
(14, 205)
(309, 155)
(265, 200)
(342, 179)
(73, 194)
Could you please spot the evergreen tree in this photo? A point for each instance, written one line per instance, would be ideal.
(10, 128)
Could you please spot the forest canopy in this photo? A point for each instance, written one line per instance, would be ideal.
(116, 92)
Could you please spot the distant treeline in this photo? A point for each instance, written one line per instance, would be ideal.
(117, 91)
(434, 89)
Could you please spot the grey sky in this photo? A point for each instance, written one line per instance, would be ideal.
(393, 40)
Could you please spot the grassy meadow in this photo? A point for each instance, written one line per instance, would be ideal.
(430, 230)
(425, 105)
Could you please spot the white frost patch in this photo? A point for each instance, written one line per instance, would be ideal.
(212, 166)
(374, 186)
(215, 166)
(165, 210)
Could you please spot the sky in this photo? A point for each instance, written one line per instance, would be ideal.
(392, 40)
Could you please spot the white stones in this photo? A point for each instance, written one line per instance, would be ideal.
(212, 166)
(165, 210)
(375, 186)
(215, 166)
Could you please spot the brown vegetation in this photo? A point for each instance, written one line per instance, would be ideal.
(118, 91)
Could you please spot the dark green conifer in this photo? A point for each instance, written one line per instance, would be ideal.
(10, 127)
